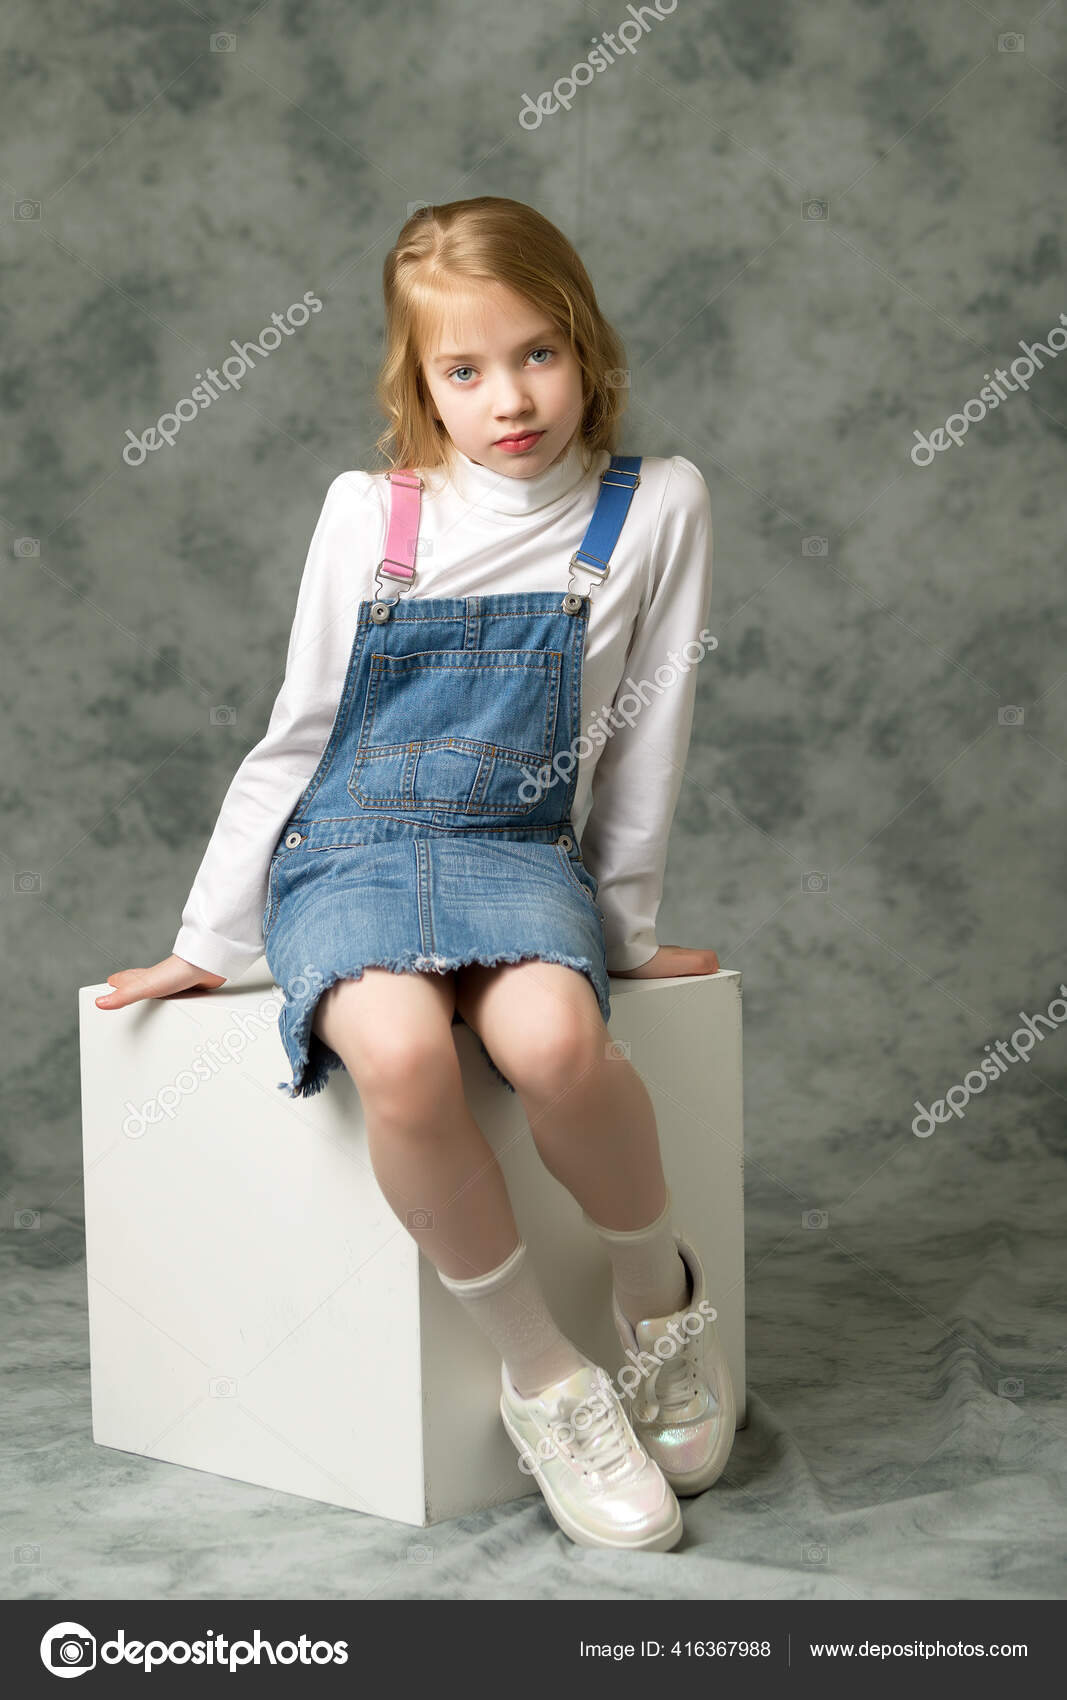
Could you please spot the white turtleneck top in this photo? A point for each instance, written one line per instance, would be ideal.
(482, 532)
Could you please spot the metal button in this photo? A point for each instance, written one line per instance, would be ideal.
(564, 842)
(292, 839)
(572, 603)
(379, 612)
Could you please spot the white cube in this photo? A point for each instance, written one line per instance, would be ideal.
(257, 1310)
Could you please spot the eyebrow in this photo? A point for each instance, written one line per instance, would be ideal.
(542, 335)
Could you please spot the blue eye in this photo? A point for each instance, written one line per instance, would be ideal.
(541, 350)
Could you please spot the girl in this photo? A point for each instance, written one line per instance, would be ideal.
(419, 838)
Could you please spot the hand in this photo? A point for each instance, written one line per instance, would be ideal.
(671, 959)
(173, 975)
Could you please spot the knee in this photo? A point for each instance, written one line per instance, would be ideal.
(556, 1054)
(403, 1077)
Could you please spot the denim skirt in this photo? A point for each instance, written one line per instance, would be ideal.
(335, 911)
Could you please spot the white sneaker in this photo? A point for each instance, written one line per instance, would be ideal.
(683, 1409)
(600, 1485)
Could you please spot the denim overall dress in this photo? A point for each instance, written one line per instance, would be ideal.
(436, 830)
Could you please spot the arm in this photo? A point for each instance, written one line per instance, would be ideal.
(639, 774)
(222, 920)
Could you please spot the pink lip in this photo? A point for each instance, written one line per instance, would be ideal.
(519, 443)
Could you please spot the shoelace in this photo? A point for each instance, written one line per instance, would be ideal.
(603, 1445)
(675, 1384)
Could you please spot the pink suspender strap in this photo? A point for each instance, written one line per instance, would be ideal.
(405, 503)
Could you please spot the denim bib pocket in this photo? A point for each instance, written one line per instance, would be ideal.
(494, 716)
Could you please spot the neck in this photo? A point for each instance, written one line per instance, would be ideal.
(482, 487)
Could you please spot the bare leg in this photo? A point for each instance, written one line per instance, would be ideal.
(393, 1033)
(590, 1115)
(589, 1112)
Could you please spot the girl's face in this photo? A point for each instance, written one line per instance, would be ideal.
(499, 368)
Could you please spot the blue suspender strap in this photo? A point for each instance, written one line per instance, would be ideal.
(618, 482)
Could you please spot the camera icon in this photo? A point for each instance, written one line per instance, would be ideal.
(223, 715)
(815, 546)
(27, 209)
(1011, 43)
(816, 1552)
(417, 207)
(27, 1555)
(815, 209)
(224, 43)
(617, 378)
(222, 1387)
(27, 546)
(618, 1048)
(1010, 715)
(71, 1648)
(815, 1218)
(26, 881)
(1010, 1388)
(27, 1218)
(420, 1219)
(420, 1555)
(814, 881)
(424, 546)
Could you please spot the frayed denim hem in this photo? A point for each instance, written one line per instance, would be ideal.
(503, 1079)
(315, 1061)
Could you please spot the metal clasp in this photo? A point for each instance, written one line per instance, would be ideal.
(573, 599)
(382, 605)
(408, 577)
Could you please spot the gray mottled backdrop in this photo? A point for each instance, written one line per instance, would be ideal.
(818, 228)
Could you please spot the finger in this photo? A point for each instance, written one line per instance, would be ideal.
(130, 988)
(120, 996)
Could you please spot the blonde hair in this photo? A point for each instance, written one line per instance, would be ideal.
(441, 257)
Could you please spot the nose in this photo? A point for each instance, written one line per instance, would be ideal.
(511, 400)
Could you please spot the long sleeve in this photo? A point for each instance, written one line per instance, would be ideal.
(638, 775)
(222, 920)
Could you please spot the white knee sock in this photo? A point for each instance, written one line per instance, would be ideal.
(509, 1307)
(650, 1277)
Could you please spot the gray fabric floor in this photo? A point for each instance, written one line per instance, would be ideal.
(817, 229)
(880, 1461)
